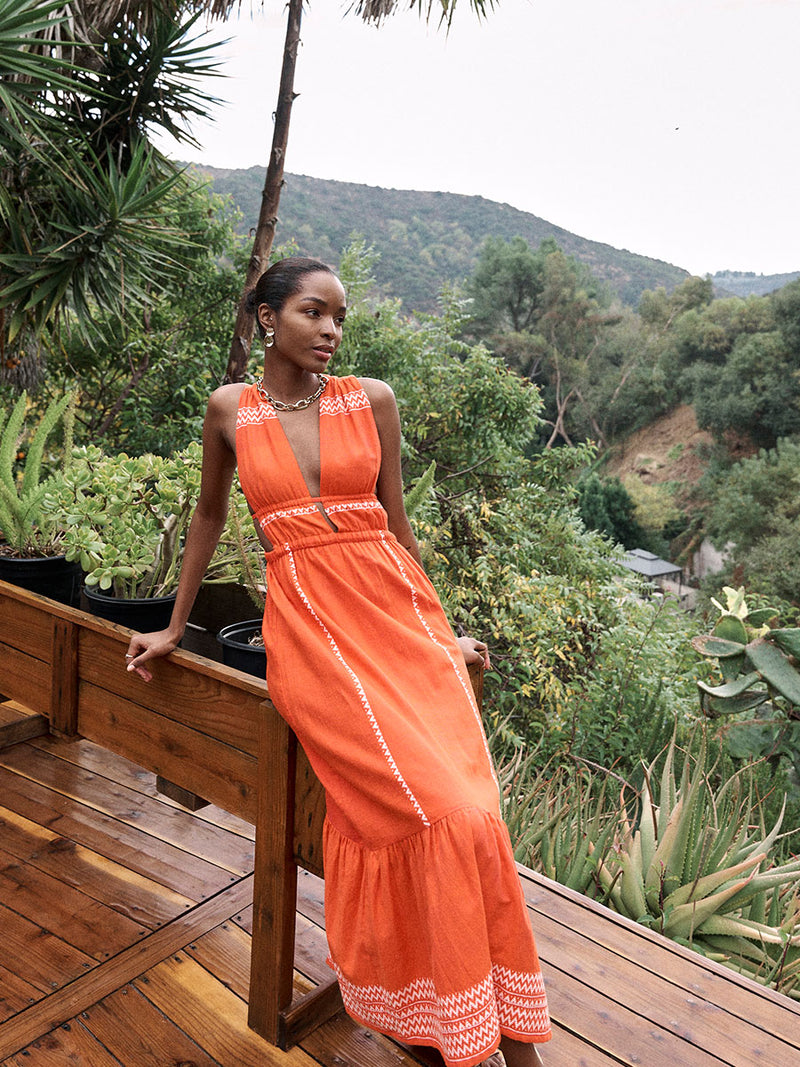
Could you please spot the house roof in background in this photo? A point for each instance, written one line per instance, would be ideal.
(648, 564)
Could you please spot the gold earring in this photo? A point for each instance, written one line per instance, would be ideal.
(269, 337)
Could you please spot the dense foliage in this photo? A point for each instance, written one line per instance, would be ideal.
(89, 210)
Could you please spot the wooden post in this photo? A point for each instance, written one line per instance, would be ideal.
(64, 684)
(274, 878)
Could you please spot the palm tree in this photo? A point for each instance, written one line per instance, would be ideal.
(84, 195)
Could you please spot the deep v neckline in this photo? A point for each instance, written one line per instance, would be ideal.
(302, 480)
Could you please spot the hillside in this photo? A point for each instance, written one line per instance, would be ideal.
(668, 450)
(425, 239)
(748, 283)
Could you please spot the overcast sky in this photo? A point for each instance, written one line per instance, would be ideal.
(667, 127)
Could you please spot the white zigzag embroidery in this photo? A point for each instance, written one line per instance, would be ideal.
(361, 694)
(310, 509)
(467, 688)
(356, 505)
(463, 1025)
(287, 513)
(254, 416)
(344, 403)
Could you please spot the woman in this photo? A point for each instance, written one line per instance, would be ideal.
(426, 922)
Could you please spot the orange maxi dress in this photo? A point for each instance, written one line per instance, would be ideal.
(426, 922)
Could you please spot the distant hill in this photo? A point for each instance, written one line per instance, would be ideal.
(424, 239)
(748, 283)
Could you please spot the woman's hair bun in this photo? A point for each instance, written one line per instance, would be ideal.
(250, 302)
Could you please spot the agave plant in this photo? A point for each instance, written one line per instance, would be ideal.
(698, 869)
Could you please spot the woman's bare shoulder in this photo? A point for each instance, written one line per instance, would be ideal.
(224, 401)
(380, 393)
(225, 396)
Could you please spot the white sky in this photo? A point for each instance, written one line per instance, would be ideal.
(668, 127)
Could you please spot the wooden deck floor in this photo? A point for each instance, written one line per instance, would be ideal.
(125, 937)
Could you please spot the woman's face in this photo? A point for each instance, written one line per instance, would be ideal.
(308, 328)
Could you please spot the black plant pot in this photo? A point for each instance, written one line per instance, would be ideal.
(51, 576)
(143, 614)
(236, 652)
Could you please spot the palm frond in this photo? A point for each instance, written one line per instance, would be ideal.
(375, 11)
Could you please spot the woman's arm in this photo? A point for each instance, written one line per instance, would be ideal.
(389, 489)
(208, 522)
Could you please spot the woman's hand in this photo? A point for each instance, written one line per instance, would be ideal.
(474, 651)
(144, 647)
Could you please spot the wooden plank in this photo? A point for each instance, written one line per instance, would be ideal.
(191, 996)
(80, 994)
(78, 824)
(38, 957)
(720, 985)
(139, 1035)
(64, 692)
(141, 899)
(61, 909)
(25, 679)
(658, 1001)
(73, 791)
(342, 1042)
(225, 775)
(225, 952)
(18, 724)
(309, 815)
(70, 1043)
(596, 1017)
(15, 993)
(116, 768)
(26, 622)
(220, 706)
(275, 879)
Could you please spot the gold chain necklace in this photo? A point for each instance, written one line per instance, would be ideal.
(298, 405)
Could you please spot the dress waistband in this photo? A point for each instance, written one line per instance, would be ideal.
(323, 540)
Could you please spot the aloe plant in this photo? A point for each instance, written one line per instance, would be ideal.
(697, 867)
(26, 526)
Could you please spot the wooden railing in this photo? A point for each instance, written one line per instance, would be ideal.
(204, 729)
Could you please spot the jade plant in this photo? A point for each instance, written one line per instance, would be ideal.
(27, 528)
(758, 664)
(125, 517)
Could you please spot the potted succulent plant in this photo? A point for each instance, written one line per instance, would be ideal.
(124, 520)
(32, 548)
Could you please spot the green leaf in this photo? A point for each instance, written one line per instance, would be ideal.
(730, 628)
(775, 669)
(788, 640)
(761, 616)
(735, 705)
(731, 689)
(711, 645)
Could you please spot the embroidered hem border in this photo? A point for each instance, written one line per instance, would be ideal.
(462, 1025)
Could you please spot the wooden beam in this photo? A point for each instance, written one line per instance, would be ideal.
(64, 673)
(274, 878)
(17, 724)
(184, 797)
(310, 1011)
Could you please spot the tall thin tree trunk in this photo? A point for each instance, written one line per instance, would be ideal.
(270, 197)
